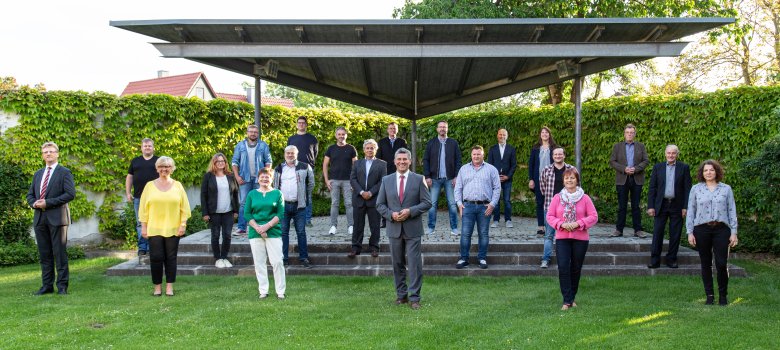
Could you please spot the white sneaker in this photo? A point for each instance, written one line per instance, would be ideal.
(349, 230)
(219, 264)
(509, 224)
(429, 231)
(227, 263)
(263, 296)
(544, 264)
(332, 230)
(494, 224)
(455, 232)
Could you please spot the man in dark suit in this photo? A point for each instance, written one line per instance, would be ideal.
(51, 189)
(403, 198)
(504, 158)
(386, 151)
(629, 159)
(366, 178)
(667, 200)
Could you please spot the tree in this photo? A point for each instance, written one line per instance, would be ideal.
(309, 100)
(9, 83)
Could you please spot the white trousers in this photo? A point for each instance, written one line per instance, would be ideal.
(270, 248)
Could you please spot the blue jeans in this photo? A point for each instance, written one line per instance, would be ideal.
(549, 237)
(449, 190)
(571, 255)
(506, 195)
(243, 191)
(474, 214)
(291, 212)
(143, 243)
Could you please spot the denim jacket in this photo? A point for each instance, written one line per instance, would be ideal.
(241, 158)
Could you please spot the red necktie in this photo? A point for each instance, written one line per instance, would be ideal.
(401, 190)
(45, 183)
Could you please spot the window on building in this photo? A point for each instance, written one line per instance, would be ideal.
(200, 92)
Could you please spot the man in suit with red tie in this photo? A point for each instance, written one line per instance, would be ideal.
(366, 177)
(402, 199)
(667, 200)
(51, 190)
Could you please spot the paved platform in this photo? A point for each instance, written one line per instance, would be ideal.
(513, 252)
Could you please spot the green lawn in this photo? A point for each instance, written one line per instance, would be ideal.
(358, 313)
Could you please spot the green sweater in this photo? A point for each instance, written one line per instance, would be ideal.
(262, 208)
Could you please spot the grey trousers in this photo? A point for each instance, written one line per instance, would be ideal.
(340, 188)
(407, 249)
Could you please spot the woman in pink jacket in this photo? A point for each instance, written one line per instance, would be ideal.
(571, 214)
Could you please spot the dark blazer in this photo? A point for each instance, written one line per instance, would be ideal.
(431, 158)
(358, 181)
(682, 186)
(508, 164)
(386, 152)
(208, 194)
(59, 192)
(533, 165)
(619, 162)
(417, 198)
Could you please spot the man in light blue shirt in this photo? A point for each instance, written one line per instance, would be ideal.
(477, 191)
(248, 156)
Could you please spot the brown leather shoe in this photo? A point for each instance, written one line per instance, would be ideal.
(415, 305)
(374, 253)
(352, 254)
(616, 234)
(400, 301)
(640, 234)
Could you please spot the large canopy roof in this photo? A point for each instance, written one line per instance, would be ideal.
(419, 68)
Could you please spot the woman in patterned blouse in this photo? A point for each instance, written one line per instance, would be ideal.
(712, 226)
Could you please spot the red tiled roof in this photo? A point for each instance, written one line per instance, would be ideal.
(177, 85)
(232, 97)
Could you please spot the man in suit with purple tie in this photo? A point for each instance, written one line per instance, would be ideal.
(51, 190)
(366, 178)
(402, 199)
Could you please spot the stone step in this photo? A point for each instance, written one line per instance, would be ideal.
(132, 268)
(439, 258)
(242, 246)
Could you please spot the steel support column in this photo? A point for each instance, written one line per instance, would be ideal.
(578, 122)
(258, 104)
(413, 142)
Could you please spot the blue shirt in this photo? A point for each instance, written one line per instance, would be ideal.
(630, 154)
(706, 206)
(478, 184)
(241, 158)
(669, 190)
(443, 158)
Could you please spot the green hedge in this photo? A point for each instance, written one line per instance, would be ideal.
(99, 133)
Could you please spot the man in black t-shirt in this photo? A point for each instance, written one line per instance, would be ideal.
(336, 169)
(308, 148)
(142, 170)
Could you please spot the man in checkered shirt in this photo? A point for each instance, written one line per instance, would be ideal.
(551, 182)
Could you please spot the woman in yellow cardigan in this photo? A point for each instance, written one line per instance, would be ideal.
(163, 214)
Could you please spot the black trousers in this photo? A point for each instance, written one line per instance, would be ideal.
(221, 222)
(623, 192)
(668, 212)
(52, 248)
(162, 254)
(359, 216)
(571, 256)
(713, 241)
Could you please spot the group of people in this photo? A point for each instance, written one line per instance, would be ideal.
(382, 188)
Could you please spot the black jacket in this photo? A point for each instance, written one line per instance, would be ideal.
(208, 194)
(386, 152)
(508, 164)
(431, 158)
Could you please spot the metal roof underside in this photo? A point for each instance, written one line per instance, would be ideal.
(419, 68)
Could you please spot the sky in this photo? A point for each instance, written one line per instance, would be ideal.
(69, 45)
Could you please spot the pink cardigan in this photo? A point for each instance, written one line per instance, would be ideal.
(586, 217)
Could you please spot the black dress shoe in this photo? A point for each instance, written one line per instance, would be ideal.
(672, 265)
(352, 254)
(710, 300)
(722, 301)
(62, 291)
(43, 291)
(653, 266)
(400, 301)
(374, 253)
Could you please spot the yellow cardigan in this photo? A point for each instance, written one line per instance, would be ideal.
(164, 212)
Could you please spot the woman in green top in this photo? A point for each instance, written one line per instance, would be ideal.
(263, 210)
